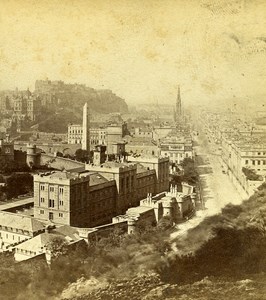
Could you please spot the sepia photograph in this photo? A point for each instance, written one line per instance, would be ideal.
(133, 150)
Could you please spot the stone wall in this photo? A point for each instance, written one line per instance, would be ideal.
(59, 162)
(49, 148)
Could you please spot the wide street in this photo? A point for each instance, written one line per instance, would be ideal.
(216, 188)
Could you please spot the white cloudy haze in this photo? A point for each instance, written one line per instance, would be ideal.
(139, 49)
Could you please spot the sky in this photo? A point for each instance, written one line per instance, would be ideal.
(141, 50)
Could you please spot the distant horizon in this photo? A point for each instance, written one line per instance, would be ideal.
(212, 49)
(233, 98)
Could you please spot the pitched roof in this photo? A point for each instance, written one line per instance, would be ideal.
(37, 243)
(63, 175)
(21, 222)
(96, 178)
(141, 168)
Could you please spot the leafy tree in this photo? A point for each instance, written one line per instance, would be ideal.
(81, 155)
(18, 184)
(57, 247)
(7, 165)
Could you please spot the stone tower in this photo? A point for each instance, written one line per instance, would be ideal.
(99, 156)
(86, 129)
(31, 157)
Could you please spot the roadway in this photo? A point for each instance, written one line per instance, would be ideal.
(216, 188)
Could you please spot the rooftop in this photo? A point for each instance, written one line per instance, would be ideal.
(21, 222)
(96, 178)
(37, 243)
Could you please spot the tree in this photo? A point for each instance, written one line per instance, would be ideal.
(81, 155)
(57, 247)
(7, 165)
(18, 184)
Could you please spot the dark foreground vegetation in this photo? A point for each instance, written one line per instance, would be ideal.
(222, 258)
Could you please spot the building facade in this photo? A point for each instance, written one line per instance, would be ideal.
(6, 149)
(91, 197)
(176, 148)
(75, 132)
(16, 228)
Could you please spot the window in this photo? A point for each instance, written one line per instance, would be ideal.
(42, 187)
(51, 203)
(61, 202)
(264, 162)
(42, 200)
(253, 162)
(247, 162)
(258, 162)
(51, 189)
(61, 215)
(41, 212)
(51, 216)
(61, 190)
(258, 153)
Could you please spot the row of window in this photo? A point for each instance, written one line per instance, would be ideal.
(52, 202)
(259, 162)
(13, 237)
(51, 215)
(14, 229)
(52, 189)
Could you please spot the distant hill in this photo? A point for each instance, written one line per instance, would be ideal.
(75, 95)
(63, 104)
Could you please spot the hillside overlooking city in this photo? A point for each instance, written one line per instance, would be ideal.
(133, 150)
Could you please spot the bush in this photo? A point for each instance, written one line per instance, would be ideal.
(18, 184)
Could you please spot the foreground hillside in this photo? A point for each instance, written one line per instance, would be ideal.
(149, 287)
(224, 257)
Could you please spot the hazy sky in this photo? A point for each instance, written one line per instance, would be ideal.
(139, 49)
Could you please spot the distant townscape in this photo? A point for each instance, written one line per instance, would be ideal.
(112, 174)
(97, 176)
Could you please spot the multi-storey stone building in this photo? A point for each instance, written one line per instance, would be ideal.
(97, 135)
(74, 198)
(161, 167)
(92, 197)
(176, 148)
(26, 105)
(16, 228)
(109, 135)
